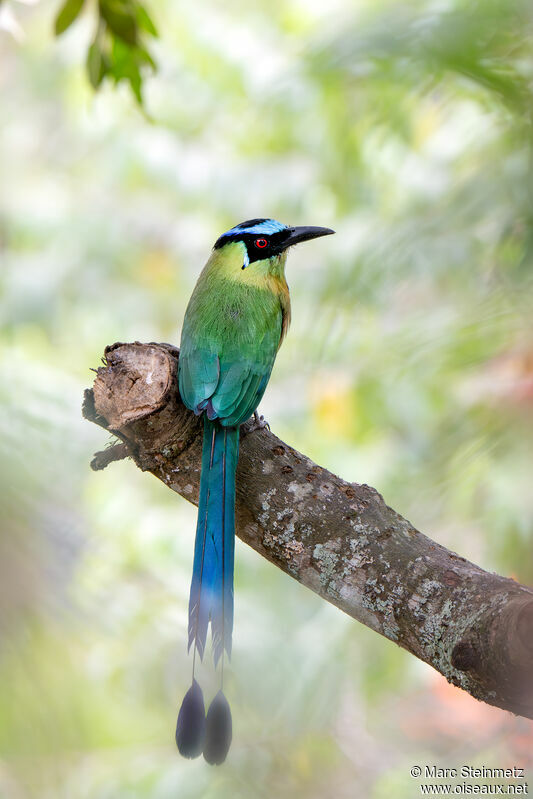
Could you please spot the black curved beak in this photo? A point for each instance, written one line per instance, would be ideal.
(305, 233)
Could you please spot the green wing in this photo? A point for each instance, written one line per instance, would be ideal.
(225, 362)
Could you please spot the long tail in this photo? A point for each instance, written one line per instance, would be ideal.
(211, 597)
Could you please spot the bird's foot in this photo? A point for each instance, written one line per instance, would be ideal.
(257, 423)
(260, 422)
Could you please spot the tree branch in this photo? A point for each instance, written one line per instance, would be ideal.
(339, 539)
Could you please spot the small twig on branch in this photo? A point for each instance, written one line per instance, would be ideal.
(340, 539)
(102, 459)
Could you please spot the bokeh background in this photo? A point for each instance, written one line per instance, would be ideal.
(407, 127)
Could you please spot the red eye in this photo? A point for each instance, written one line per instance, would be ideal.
(261, 243)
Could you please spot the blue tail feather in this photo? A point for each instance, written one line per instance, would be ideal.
(211, 597)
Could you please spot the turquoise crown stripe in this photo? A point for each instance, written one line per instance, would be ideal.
(267, 226)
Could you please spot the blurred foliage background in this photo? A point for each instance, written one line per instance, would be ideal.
(407, 127)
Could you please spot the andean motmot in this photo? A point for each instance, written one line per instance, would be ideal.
(236, 319)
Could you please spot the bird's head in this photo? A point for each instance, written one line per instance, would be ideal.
(266, 240)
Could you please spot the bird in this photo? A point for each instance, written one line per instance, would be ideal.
(235, 321)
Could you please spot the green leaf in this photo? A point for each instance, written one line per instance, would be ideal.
(95, 65)
(66, 16)
(136, 86)
(120, 19)
(145, 22)
(124, 65)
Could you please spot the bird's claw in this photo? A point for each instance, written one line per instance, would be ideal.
(258, 423)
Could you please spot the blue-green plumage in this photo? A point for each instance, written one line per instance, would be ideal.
(233, 327)
(211, 597)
